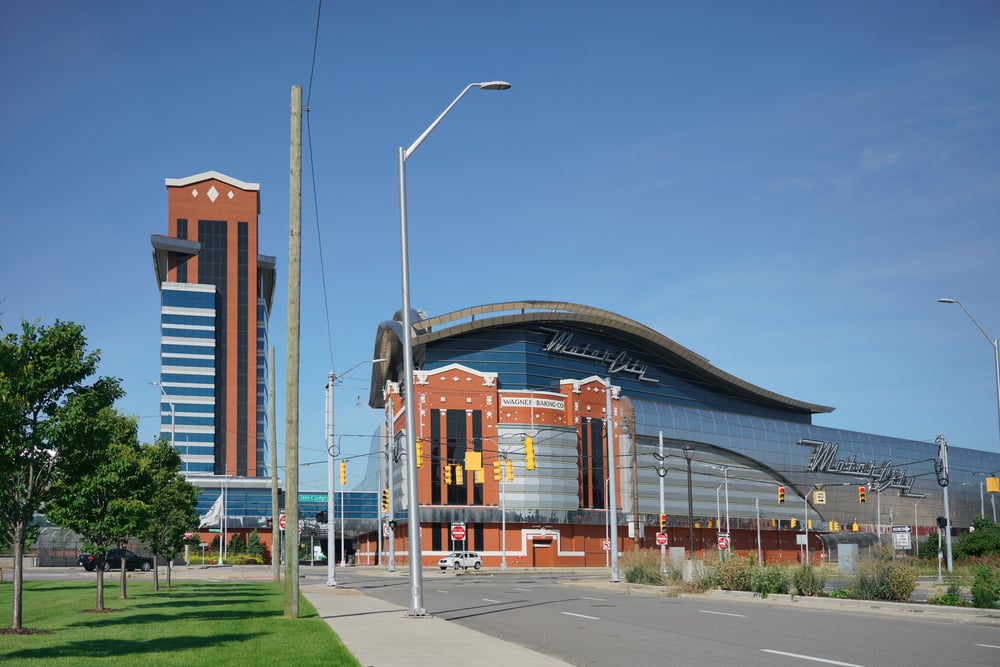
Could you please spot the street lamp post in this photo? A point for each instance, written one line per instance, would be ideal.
(331, 381)
(413, 497)
(992, 342)
(173, 422)
(688, 453)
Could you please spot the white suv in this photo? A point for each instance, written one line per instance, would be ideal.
(461, 559)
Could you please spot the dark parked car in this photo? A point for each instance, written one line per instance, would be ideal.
(114, 561)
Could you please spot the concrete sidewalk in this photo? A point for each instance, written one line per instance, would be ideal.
(380, 634)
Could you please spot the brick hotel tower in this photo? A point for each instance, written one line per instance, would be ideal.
(215, 299)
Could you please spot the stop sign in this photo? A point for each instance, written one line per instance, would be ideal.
(458, 532)
(661, 539)
(281, 521)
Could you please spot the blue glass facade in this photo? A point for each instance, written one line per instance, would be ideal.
(187, 361)
(746, 441)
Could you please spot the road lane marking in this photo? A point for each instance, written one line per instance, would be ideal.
(812, 658)
(569, 613)
(594, 599)
(523, 590)
(721, 613)
(489, 600)
(987, 645)
(439, 590)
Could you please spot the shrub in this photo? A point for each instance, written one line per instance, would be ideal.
(735, 574)
(985, 588)
(237, 544)
(881, 579)
(768, 580)
(644, 569)
(951, 598)
(808, 580)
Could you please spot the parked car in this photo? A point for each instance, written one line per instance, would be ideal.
(113, 561)
(461, 560)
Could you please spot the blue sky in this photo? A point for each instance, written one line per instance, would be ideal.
(785, 188)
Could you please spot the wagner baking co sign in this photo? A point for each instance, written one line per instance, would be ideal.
(533, 402)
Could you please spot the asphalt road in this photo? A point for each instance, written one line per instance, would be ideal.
(599, 625)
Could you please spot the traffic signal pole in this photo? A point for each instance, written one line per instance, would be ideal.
(663, 547)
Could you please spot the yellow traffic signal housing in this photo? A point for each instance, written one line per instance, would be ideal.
(420, 453)
(529, 453)
(496, 471)
(510, 470)
(385, 500)
(861, 494)
(781, 494)
(447, 473)
(794, 522)
(663, 522)
(343, 473)
(458, 475)
(993, 484)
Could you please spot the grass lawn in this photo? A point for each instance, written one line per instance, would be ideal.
(191, 623)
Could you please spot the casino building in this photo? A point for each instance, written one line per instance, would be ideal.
(515, 402)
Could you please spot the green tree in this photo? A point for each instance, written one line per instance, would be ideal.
(106, 507)
(982, 540)
(49, 430)
(170, 506)
(254, 546)
(236, 545)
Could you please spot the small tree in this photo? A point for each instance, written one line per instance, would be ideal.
(254, 546)
(170, 504)
(237, 545)
(106, 506)
(48, 429)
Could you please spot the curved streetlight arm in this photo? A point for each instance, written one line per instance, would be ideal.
(485, 85)
(992, 341)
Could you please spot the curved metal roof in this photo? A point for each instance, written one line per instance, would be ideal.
(388, 342)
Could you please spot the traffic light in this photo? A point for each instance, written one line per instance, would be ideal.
(420, 453)
(320, 517)
(663, 523)
(385, 500)
(496, 471)
(861, 494)
(343, 473)
(781, 494)
(458, 475)
(529, 452)
(794, 522)
(447, 473)
(510, 470)
(942, 522)
(993, 484)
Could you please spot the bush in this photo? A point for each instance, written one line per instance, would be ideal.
(985, 588)
(644, 569)
(808, 580)
(768, 580)
(735, 574)
(881, 579)
(951, 598)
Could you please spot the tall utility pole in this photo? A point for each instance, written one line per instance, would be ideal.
(275, 501)
(292, 364)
